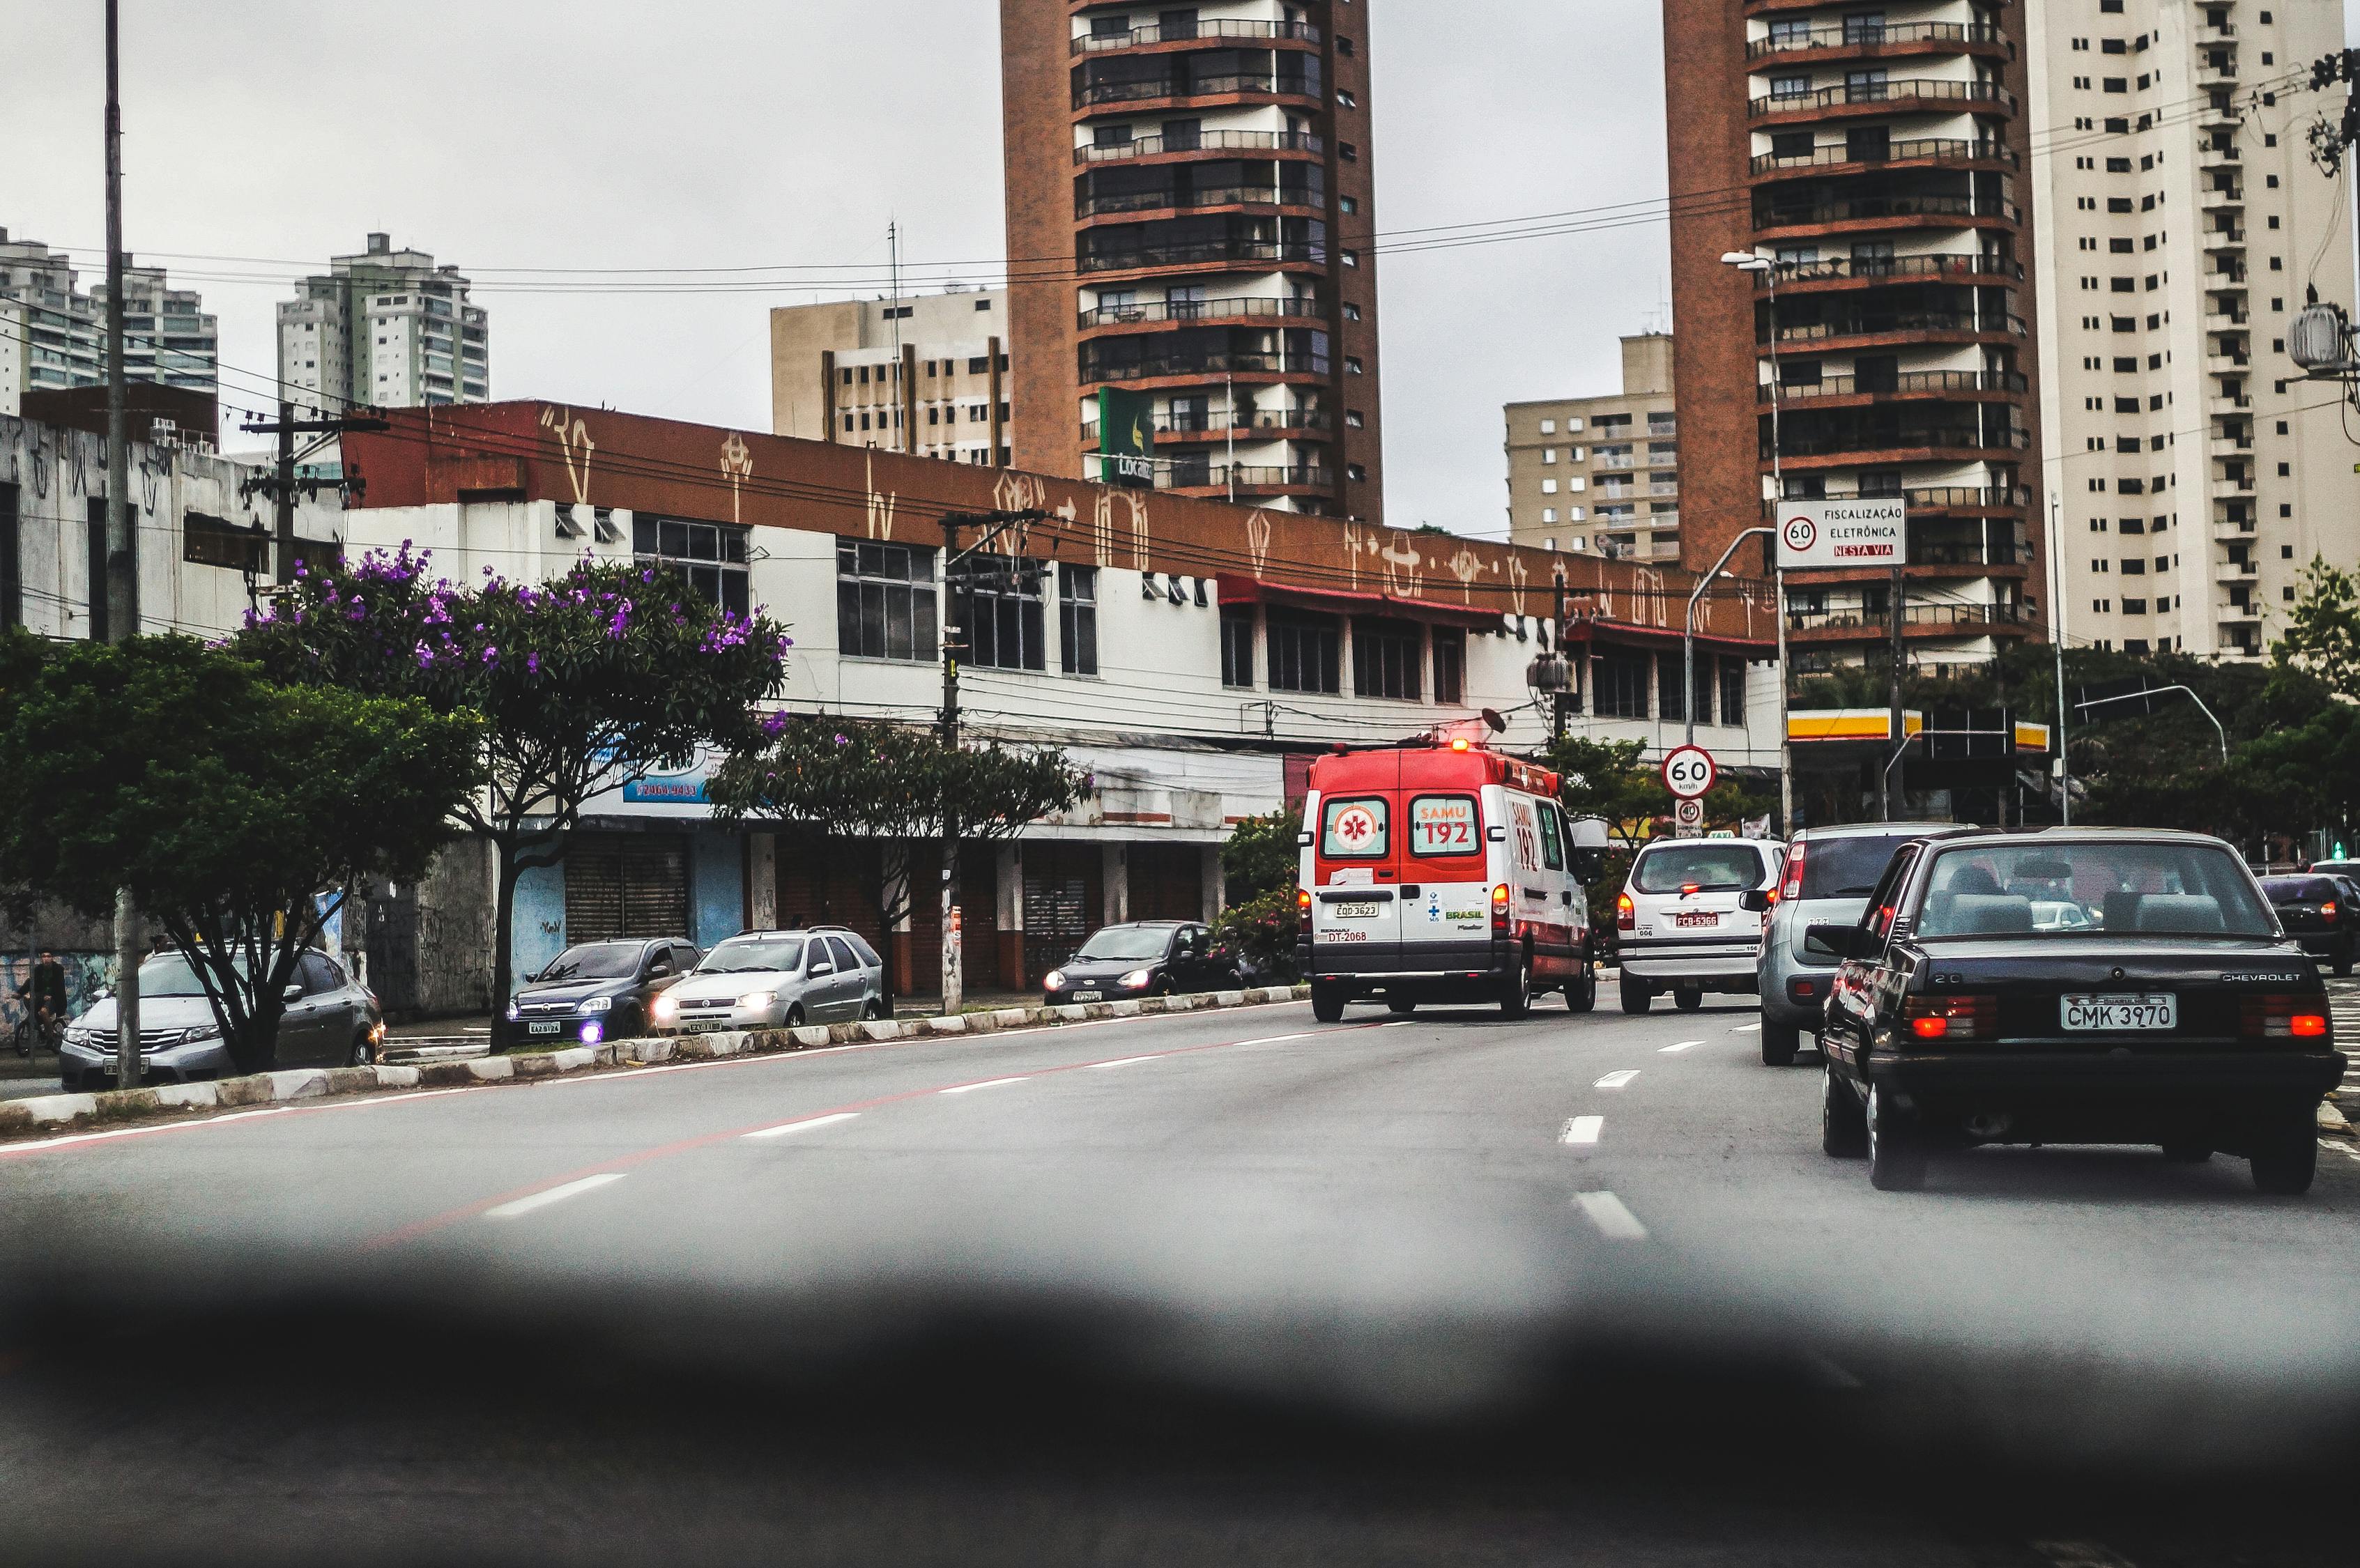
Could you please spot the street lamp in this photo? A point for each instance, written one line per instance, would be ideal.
(1747, 261)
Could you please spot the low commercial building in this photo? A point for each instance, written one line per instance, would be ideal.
(1192, 657)
(1601, 474)
(928, 375)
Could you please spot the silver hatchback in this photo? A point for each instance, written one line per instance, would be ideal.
(776, 980)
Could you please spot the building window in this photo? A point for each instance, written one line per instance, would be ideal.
(711, 556)
(885, 600)
(1388, 659)
(1237, 646)
(1305, 652)
(1667, 686)
(12, 581)
(1622, 682)
(1732, 691)
(996, 602)
(1077, 619)
(1450, 666)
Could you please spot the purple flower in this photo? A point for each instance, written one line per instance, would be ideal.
(532, 663)
(491, 656)
(843, 740)
(774, 724)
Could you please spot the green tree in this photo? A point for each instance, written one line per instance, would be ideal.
(1605, 778)
(227, 805)
(584, 684)
(2322, 630)
(835, 779)
(1261, 854)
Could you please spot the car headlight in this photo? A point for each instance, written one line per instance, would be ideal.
(755, 1001)
(514, 1011)
(203, 1032)
(1135, 979)
(1054, 981)
(595, 1004)
(664, 1007)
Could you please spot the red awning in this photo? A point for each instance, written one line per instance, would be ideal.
(1339, 602)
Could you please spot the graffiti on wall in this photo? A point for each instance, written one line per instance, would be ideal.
(87, 974)
(737, 467)
(574, 444)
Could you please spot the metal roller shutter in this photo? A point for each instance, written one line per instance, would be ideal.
(625, 885)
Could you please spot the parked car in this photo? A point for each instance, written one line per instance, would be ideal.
(1142, 958)
(2318, 912)
(1682, 921)
(332, 1020)
(777, 980)
(1826, 880)
(600, 990)
(2181, 1014)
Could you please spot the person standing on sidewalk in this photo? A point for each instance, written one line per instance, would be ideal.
(44, 996)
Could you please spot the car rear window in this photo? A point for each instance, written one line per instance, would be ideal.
(1848, 867)
(2298, 889)
(1708, 867)
(2123, 888)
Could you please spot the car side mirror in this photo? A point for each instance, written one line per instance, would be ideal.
(1754, 900)
(292, 993)
(822, 968)
(1842, 941)
(658, 970)
(1589, 865)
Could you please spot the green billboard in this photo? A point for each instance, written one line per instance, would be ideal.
(1126, 437)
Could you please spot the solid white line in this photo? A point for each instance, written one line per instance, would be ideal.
(1746, 1028)
(783, 1129)
(987, 1083)
(554, 1195)
(1126, 1061)
(1614, 1221)
(1616, 1080)
(1582, 1129)
(1684, 1045)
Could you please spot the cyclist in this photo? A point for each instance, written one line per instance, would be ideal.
(44, 996)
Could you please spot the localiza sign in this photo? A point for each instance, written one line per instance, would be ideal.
(1859, 532)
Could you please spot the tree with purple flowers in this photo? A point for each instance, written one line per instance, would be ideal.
(584, 684)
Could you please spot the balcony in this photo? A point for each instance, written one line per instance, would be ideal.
(1247, 476)
(1886, 97)
(2226, 236)
(1202, 364)
(2217, 68)
(2235, 571)
(1794, 443)
(2227, 364)
(2241, 530)
(1936, 619)
(1855, 38)
(1174, 88)
(1886, 325)
(1908, 383)
(1929, 149)
(1205, 252)
(1870, 209)
(2211, 154)
(1158, 313)
(1302, 142)
(2240, 488)
(2214, 198)
(1201, 30)
(1886, 270)
(1174, 200)
(2227, 321)
(1215, 424)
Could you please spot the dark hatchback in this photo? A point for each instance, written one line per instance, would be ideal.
(1143, 958)
(2178, 1012)
(599, 990)
(2317, 911)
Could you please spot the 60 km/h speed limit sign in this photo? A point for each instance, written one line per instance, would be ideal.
(1688, 772)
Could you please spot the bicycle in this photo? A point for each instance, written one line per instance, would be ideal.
(36, 1032)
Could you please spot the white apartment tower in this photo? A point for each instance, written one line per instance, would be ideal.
(56, 333)
(2179, 222)
(386, 327)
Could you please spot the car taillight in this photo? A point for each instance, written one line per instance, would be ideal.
(1626, 918)
(1794, 884)
(1952, 1018)
(1302, 901)
(1498, 908)
(2282, 1017)
(2327, 911)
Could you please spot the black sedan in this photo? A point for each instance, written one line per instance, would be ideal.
(2317, 911)
(1145, 958)
(2107, 986)
(599, 990)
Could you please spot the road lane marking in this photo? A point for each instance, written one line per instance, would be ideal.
(549, 1195)
(1684, 1045)
(987, 1083)
(1582, 1129)
(1124, 1062)
(1611, 1215)
(403, 1097)
(1616, 1080)
(2080, 1555)
(1746, 1028)
(783, 1129)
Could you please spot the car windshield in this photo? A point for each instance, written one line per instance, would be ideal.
(742, 955)
(2121, 889)
(1706, 868)
(171, 976)
(596, 961)
(1118, 942)
(2298, 889)
(1848, 867)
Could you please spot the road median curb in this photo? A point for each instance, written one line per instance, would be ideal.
(112, 1107)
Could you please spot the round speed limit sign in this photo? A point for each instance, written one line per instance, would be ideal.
(1688, 772)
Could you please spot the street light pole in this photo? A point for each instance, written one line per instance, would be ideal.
(1747, 261)
(2057, 617)
(1688, 628)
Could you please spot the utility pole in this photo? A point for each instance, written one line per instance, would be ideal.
(281, 485)
(2057, 631)
(122, 595)
(1895, 796)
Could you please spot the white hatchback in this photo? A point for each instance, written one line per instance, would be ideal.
(1681, 925)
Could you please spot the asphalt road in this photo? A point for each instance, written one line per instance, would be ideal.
(1227, 1286)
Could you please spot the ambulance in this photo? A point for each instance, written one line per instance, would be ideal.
(1444, 872)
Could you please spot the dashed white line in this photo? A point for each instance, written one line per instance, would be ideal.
(1684, 1045)
(1616, 1080)
(1613, 1219)
(987, 1083)
(1582, 1129)
(554, 1195)
(1747, 1029)
(783, 1129)
(1126, 1061)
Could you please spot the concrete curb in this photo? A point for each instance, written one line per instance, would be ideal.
(44, 1113)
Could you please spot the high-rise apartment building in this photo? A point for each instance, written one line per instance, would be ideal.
(2195, 472)
(385, 327)
(927, 375)
(1876, 158)
(1601, 474)
(61, 332)
(1190, 216)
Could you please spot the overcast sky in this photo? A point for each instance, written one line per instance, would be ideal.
(781, 138)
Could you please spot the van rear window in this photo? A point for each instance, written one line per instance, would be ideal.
(1356, 828)
(1445, 824)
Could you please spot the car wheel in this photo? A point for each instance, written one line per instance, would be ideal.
(1636, 997)
(795, 1016)
(2286, 1157)
(872, 1010)
(1779, 1042)
(1326, 1002)
(364, 1052)
(1405, 1006)
(1844, 1123)
(1896, 1160)
(1582, 997)
(1687, 998)
(2187, 1153)
(1517, 999)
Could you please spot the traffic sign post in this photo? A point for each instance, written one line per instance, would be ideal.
(1689, 772)
(1688, 816)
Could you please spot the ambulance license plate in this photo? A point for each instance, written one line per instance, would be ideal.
(1358, 909)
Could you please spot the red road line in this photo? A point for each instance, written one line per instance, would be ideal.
(419, 1229)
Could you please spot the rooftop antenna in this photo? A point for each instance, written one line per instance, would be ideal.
(893, 247)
